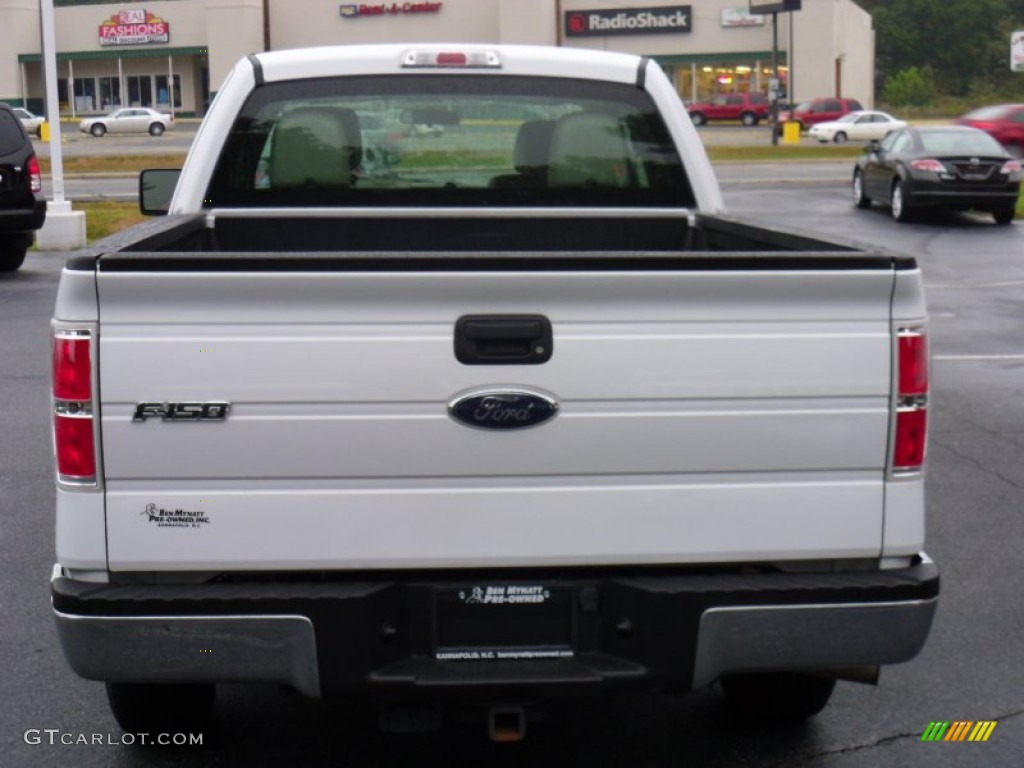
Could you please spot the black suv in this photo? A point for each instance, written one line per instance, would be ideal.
(20, 181)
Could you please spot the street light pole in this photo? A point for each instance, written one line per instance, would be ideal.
(63, 229)
(52, 106)
(775, 79)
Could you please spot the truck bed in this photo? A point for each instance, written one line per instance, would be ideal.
(710, 402)
(589, 232)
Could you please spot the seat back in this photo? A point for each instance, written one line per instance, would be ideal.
(529, 158)
(314, 147)
(533, 147)
(589, 150)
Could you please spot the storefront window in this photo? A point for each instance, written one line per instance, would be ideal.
(85, 94)
(707, 81)
(140, 91)
(110, 92)
(161, 91)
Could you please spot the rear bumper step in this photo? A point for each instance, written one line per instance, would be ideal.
(430, 634)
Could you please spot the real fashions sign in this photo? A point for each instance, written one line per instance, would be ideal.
(628, 21)
(134, 27)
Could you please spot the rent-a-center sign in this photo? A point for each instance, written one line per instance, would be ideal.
(628, 21)
(134, 27)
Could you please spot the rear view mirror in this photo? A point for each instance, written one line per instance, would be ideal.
(156, 188)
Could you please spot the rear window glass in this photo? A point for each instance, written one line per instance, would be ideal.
(960, 142)
(443, 140)
(986, 113)
(12, 137)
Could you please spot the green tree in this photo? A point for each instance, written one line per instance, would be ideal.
(964, 42)
(910, 87)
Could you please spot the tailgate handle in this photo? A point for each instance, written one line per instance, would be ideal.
(503, 339)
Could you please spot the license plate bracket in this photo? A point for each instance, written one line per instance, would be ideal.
(503, 621)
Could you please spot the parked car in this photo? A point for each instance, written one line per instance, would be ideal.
(862, 125)
(821, 110)
(128, 120)
(1005, 123)
(748, 108)
(29, 121)
(21, 211)
(938, 166)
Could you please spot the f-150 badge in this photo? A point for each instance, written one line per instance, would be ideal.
(183, 411)
(502, 409)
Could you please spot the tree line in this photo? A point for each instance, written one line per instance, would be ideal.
(929, 49)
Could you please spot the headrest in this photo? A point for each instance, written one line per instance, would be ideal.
(533, 145)
(314, 146)
(588, 150)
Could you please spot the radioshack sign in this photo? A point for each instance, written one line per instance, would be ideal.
(134, 27)
(628, 21)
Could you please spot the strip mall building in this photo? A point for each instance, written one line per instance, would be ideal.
(173, 54)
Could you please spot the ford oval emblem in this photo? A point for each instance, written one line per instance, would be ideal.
(502, 409)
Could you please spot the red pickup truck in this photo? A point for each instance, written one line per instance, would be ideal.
(748, 108)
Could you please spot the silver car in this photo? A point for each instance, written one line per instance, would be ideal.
(128, 120)
(862, 125)
(29, 121)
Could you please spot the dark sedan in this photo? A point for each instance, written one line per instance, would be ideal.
(938, 167)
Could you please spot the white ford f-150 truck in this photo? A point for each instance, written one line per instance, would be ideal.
(499, 411)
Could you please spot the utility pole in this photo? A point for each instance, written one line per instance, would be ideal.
(775, 78)
(775, 7)
(266, 25)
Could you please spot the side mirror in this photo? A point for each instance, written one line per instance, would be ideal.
(873, 147)
(156, 188)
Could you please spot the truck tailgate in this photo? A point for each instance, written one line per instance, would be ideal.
(705, 415)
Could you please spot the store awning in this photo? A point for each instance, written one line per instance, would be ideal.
(117, 53)
(717, 58)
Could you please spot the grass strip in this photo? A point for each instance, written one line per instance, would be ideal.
(106, 218)
(782, 152)
(115, 163)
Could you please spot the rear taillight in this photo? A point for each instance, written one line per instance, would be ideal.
(73, 418)
(928, 165)
(911, 433)
(34, 175)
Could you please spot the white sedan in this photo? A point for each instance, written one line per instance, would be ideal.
(29, 121)
(863, 125)
(128, 120)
